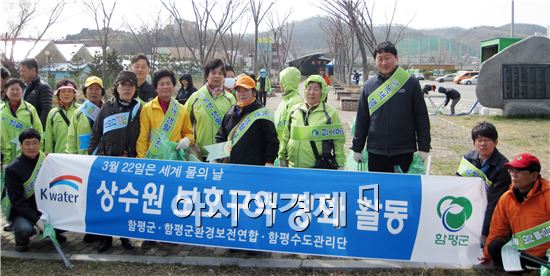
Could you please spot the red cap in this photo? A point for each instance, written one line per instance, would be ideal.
(523, 161)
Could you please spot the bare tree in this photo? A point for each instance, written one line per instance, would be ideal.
(282, 31)
(258, 14)
(232, 40)
(147, 35)
(102, 17)
(27, 11)
(341, 41)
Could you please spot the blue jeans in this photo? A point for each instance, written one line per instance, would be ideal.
(23, 230)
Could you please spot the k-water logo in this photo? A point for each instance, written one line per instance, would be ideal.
(454, 212)
(60, 189)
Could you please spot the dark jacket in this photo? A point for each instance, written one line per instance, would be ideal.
(17, 173)
(146, 92)
(258, 145)
(39, 94)
(184, 94)
(116, 142)
(500, 177)
(398, 126)
(450, 94)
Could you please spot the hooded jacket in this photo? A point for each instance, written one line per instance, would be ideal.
(289, 80)
(26, 113)
(267, 85)
(80, 125)
(184, 94)
(57, 129)
(299, 153)
(39, 94)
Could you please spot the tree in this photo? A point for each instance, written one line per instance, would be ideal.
(148, 36)
(258, 15)
(102, 16)
(282, 36)
(110, 63)
(231, 42)
(341, 41)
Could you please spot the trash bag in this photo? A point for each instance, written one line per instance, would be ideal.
(168, 152)
(417, 165)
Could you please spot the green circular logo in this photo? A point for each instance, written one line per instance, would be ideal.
(454, 212)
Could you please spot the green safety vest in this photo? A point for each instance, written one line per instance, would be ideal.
(384, 93)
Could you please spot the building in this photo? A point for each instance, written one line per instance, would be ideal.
(310, 64)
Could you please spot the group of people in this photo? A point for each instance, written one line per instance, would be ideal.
(392, 124)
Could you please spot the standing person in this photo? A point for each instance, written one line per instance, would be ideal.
(299, 148)
(57, 124)
(209, 104)
(521, 214)
(393, 116)
(20, 177)
(229, 81)
(452, 95)
(254, 141)
(187, 88)
(289, 79)
(487, 162)
(356, 76)
(37, 92)
(116, 130)
(325, 76)
(5, 76)
(263, 86)
(140, 66)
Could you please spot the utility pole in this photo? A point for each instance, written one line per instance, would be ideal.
(512, 27)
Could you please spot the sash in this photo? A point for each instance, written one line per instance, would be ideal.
(119, 120)
(317, 133)
(90, 110)
(213, 112)
(532, 237)
(165, 131)
(384, 93)
(14, 122)
(466, 168)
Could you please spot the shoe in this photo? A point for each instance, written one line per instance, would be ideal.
(22, 248)
(61, 239)
(105, 244)
(148, 244)
(8, 227)
(126, 244)
(89, 238)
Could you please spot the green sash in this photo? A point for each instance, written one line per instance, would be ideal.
(317, 133)
(532, 237)
(384, 93)
(14, 122)
(211, 108)
(165, 130)
(465, 168)
(28, 186)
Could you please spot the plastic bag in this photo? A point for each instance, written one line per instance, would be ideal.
(417, 165)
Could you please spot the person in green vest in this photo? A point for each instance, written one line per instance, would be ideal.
(263, 86)
(57, 123)
(289, 80)
(313, 136)
(208, 105)
(82, 121)
(17, 115)
(20, 177)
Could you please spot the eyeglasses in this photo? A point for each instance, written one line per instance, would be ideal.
(514, 170)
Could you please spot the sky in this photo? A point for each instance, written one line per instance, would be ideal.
(422, 14)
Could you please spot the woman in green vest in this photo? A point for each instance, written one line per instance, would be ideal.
(57, 123)
(17, 115)
(313, 136)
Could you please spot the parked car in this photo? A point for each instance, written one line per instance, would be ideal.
(472, 80)
(464, 75)
(418, 76)
(448, 77)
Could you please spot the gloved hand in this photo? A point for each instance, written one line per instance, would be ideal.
(283, 163)
(267, 164)
(41, 224)
(358, 157)
(214, 161)
(424, 155)
(183, 143)
(341, 169)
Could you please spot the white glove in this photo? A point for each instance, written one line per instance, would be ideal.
(41, 224)
(269, 164)
(283, 163)
(213, 161)
(358, 157)
(424, 155)
(183, 143)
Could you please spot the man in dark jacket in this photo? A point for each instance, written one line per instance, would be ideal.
(37, 93)
(187, 88)
(394, 118)
(140, 66)
(20, 177)
(249, 125)
(487, 162)
(450, 95)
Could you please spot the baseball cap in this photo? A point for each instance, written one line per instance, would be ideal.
(524, 161)
(93, 79)
(126, 76)
(246, 82)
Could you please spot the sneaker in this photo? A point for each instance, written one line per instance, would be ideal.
(8, 227)
(61, 239)
(105, 244)
(148, 244)
(126, 244)
(22, 248)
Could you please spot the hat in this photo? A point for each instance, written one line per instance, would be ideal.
(126, 76)
(93, 79)
(524, 161)
(246, 82)
(66, 87)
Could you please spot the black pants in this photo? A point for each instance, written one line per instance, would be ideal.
(494, 249)
(384, 163)
(263, 98)
(453, 104)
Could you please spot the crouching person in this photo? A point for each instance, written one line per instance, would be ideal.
(20, 177)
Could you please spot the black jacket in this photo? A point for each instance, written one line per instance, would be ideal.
(146, 92)
(258, 145)
(501, 182)
(398, 126)
(17, 173)
(183, 95)
(39, 94)
(450, 94)
(116, 142)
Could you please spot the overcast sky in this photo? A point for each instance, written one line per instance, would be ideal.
(423, 13)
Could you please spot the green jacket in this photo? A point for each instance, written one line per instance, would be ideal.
(299, 152)
(205, 128)
(267, 84)
(27, 114)
(57, 129)
(289, 79)
(79, 128)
